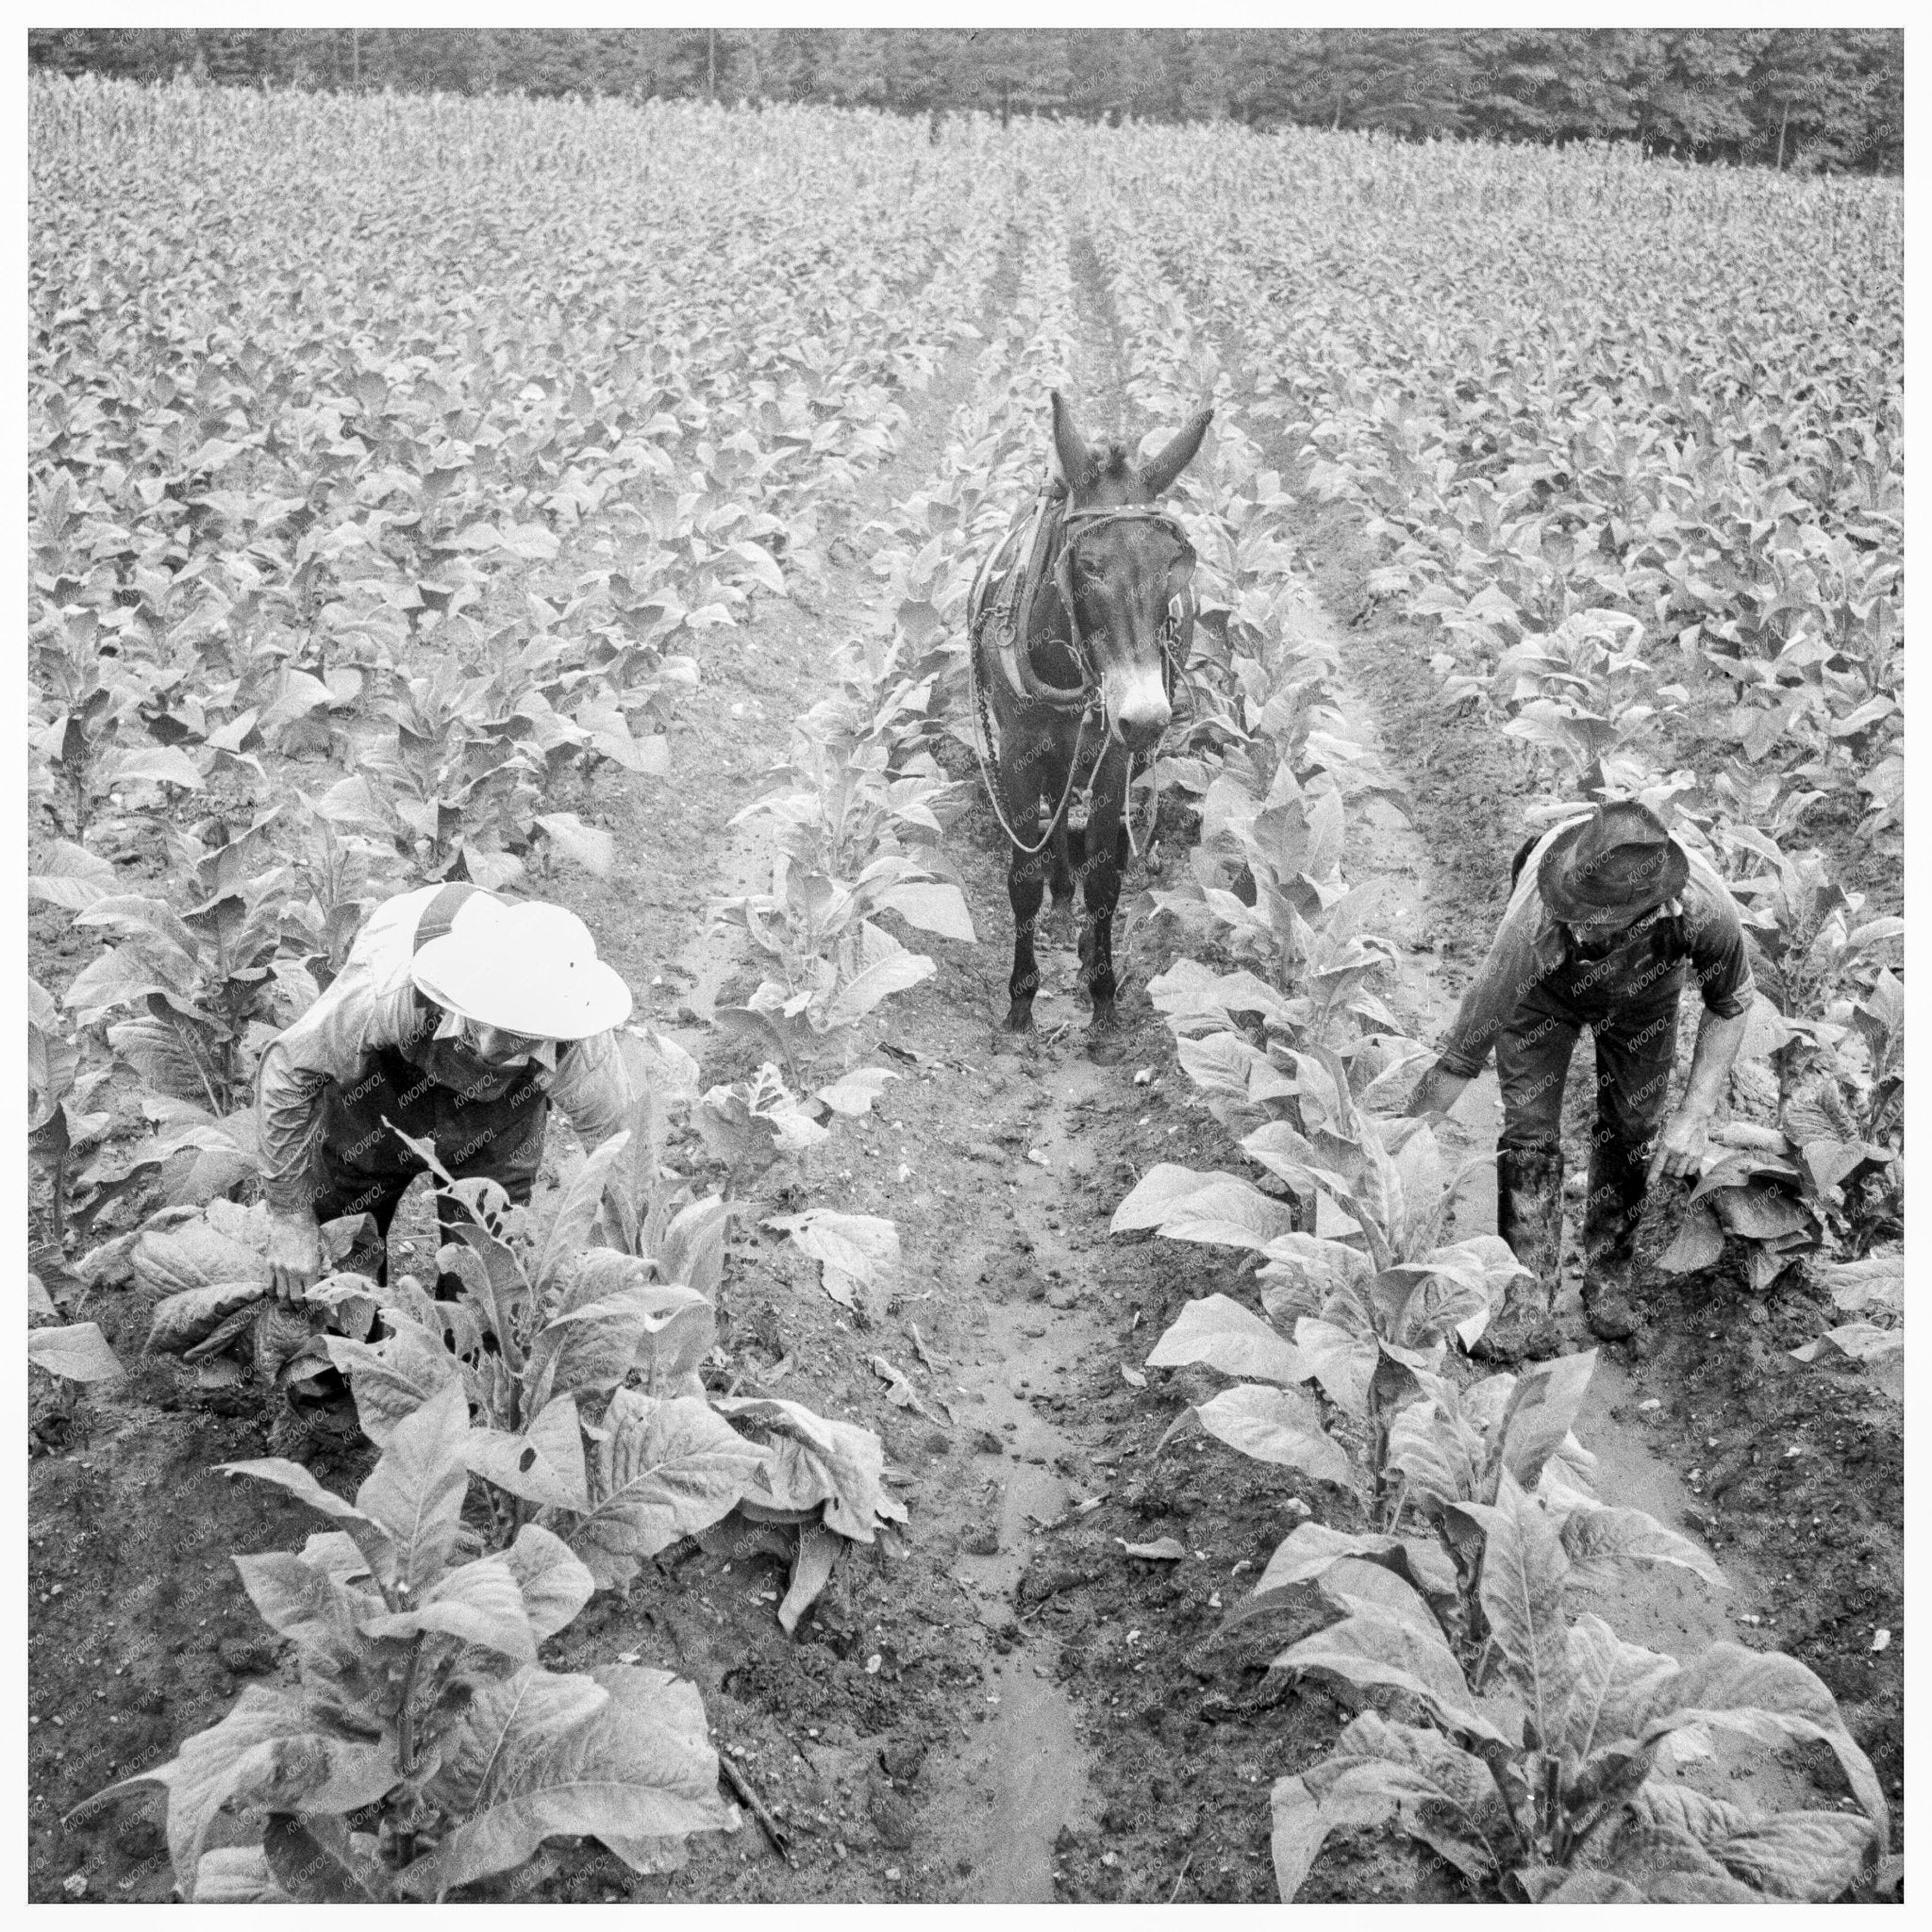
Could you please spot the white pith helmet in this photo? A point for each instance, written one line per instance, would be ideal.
(529, 968)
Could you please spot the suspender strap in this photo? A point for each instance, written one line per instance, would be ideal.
(436, 919)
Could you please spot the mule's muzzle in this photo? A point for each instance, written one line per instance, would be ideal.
(1141, 718)
(1137, 704)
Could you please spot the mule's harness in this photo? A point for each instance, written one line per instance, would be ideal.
(1009, 619)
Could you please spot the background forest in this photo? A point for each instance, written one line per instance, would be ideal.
(1812, 99)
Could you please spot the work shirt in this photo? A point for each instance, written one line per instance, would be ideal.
(373, 1005)
(1531, 948)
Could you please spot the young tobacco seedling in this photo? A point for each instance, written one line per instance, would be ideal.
(419, 1703)
(1567, 1799)
(749, 1123)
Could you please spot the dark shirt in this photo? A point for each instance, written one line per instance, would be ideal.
(1531, 948)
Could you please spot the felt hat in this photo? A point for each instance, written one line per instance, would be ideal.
(1619, 861)
(526, 968)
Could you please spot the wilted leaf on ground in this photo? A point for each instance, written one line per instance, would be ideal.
(811, 1570)
(590, 846)
(811, 1459)
(1858, 1341)
(857, 1253)
(78, 1351)
(856, 1093)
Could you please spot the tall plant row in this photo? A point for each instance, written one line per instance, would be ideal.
(1652, 581)
(1531, 1751)
(470, 568)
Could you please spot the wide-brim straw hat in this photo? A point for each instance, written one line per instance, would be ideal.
(529, 968)
(1621, 860)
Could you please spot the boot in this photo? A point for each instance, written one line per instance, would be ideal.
(1610, 1239)
(1529, 1216)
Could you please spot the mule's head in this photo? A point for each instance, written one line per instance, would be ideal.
(1119, 574)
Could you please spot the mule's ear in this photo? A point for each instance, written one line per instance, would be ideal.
(1160, 473)
(1072, 460)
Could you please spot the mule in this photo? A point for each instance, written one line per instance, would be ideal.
(1078, 626)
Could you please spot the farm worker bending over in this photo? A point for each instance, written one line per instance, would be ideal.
(460, 1018)
(1605, 913)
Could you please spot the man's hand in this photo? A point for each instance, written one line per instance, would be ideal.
(1436, 1092)
(1680, 1147)
(295, 1252)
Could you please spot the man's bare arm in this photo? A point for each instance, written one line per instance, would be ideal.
(1680, 1146)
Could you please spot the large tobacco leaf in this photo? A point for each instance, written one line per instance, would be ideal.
(660, 1468)
(622, 1756)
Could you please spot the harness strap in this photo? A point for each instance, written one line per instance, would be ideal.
(1020, 566)
(1010, 615)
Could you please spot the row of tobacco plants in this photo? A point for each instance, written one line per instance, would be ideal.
(332, 598)
(1658, 527)
(1517, 1736)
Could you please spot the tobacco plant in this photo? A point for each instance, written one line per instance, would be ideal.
(1564, 1795)
(859, 791)
(1833, 1028)
(54, 1079)
(205, 980)
(584, 1370)
(1874, 1291)
(91, 739)
(421, 1747)
(543, 1340)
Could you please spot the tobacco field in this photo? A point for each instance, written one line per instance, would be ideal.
(914, 1462)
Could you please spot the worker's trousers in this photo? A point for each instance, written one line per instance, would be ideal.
(1633, 1024)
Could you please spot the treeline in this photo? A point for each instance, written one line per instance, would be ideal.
(1807, 98)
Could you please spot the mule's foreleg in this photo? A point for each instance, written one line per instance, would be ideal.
(1026, 875)
(1065, 846)
(1100, 874)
